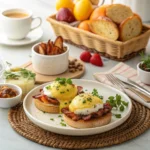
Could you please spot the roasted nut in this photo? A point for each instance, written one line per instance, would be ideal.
(75, 60)
(72, 70)
(80, 68)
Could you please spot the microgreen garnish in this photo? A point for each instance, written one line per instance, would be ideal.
(48, 87)
(62, 120)
(63, 124)
(95, 93)
(59, 116)
(64, 80)
(52, 119)
(117, 115)
(145, 65)
(19, 73)
(117, 103)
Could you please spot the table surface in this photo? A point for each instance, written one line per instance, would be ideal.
(9, 139)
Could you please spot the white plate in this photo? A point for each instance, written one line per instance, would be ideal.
(43, 119)
(33, 36)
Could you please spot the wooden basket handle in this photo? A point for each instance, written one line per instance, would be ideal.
(97, 2)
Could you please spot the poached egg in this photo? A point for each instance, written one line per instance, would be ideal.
(85, 104)
(64, 93)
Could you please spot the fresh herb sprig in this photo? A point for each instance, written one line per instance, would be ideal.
(27, 74)
(10, 75)
(64, 80)
(19, 73)
(117, 103)
(95, 93)
(145, 65)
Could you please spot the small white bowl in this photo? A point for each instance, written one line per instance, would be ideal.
(10, 102)
(143, 75)
(49, 64)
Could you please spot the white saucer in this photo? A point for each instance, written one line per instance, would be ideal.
(33, 36)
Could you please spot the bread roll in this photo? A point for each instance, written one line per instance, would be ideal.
(100, 11)
(97, 122)
(105, 28)
(49, 108)
(94, 2)
(118, 12)
(130, 28)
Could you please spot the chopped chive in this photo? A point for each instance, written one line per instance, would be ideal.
(52, 119)
(117, 115)
(63, 124)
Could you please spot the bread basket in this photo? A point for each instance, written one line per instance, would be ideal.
(116, 50)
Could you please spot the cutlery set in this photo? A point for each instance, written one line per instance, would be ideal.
(124, 84)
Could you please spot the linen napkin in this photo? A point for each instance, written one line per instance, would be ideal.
(125, 71)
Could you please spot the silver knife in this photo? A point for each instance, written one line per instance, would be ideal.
(132, 83)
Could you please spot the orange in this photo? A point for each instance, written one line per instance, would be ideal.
(75, 1)
(84, 25)
(64, 4)
(82, 10)
(100, 11)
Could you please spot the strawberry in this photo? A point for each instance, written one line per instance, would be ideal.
(96, 60)
(85, 56)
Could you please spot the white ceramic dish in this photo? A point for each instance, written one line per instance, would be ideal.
(18, 28)
(43, 119)
(49, 64)
(10, 102)
(32, 37)
(143, 75)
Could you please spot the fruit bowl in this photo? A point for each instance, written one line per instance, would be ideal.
(116, 50)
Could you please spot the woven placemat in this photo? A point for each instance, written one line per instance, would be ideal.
(138, 122)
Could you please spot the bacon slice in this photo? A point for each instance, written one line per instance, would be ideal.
(53, 101)
(106, 109)
(80, 89)
(87, 117)
(46, 99)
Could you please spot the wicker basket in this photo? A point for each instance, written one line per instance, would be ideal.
(116, 50)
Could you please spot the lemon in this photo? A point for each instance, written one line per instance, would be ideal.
(82, 10)
(64, 4)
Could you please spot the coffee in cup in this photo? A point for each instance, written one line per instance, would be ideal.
(16, 15)
(17, 23)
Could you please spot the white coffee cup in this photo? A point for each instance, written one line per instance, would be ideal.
(17, 28)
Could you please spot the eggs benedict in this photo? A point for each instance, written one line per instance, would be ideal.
(56, 95)
(87, 111)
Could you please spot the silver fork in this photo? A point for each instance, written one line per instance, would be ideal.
(123, 86)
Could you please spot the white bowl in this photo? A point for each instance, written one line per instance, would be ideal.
(49, 64)
(10, 102)
(143, 75)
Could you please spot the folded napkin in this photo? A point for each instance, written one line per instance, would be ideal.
(128, 72)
